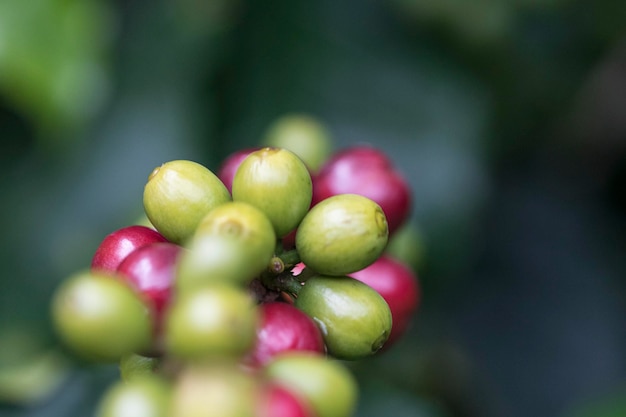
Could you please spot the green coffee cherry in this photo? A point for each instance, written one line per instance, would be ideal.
(278, 183)
(178, 195)
(240, 220)
(100, 317)
(302, 134)
(342, 234)
(214, 390)
(325, 383)
(232, 244)
(211, 321)
(211, 259)
(145, 396)
(354, 319)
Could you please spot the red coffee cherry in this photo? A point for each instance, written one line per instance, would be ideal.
(279, 401)
(151, 271)
(283, 328)
(118, 245)
(398, 285)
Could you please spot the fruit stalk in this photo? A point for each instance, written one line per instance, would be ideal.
(281, 282)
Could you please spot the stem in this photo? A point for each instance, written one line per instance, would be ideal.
(289, 283)
(290, 257)
(281, 282)
(278, 275)
(305, 275)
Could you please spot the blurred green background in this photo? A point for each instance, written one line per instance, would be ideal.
(508, 117)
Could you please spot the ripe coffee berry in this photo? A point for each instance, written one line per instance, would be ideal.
(398, 285)
(119, 244)
(150, 270)
(284, 328)
(279, 401)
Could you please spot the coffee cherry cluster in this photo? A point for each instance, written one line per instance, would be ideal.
(248, 286)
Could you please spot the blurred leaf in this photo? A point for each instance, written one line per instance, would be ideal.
(29, 370)
(78, 395)
(483, 23)
(379, 399)
(206, 16)
(53, 61)
(30, 382)
(610, 405)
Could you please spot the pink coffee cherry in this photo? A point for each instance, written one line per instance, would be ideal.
(151, 271)
(279, 401)
(364, 155)
(118, 245)
(366, 171)
(398, 285)
(284, 328)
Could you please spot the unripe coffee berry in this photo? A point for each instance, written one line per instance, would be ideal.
(101, 317)
(178, 195)
(302, 134)
(342, 234)
(355, 320)
(214, 389)
(325, 384)
(278, 183)
(145, 396)
(216, 320)
(232, 244)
